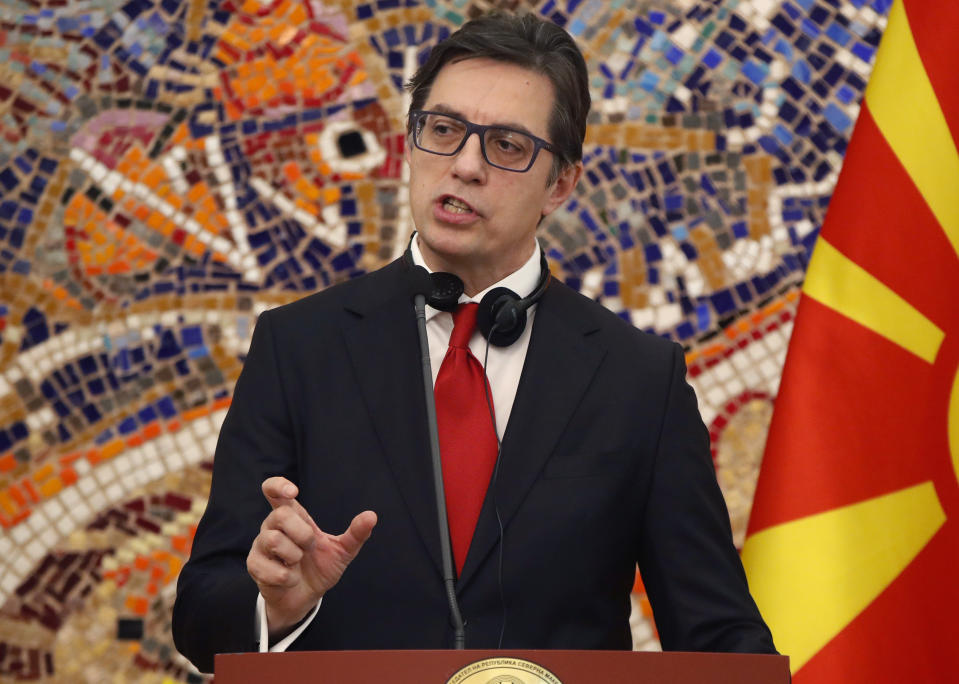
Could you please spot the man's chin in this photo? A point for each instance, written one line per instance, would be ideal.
(447, 246)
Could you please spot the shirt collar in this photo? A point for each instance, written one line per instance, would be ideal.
(522, 280)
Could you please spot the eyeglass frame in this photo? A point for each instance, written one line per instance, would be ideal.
(480, 131)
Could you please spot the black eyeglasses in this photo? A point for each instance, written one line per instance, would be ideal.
(505, 148)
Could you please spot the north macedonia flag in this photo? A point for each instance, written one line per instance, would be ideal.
(853, 545)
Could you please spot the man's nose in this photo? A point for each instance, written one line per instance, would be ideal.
(469, 164)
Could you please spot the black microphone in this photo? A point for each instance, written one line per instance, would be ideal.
(419, 286)
(418, 282)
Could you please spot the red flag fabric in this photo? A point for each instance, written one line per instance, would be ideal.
(853, 540)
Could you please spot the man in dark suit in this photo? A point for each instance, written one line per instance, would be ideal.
(604, 461)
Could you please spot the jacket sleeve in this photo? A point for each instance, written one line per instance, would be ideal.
(690, 567)
(215, 608)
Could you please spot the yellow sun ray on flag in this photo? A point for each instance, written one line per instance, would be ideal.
(844, 286)
(906, 109)
(812, 576)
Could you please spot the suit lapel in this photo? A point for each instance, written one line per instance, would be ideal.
(384, 351)
(559, 367)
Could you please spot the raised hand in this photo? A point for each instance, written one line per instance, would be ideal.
(293, 562)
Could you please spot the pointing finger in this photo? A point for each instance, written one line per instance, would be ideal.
(279, 491)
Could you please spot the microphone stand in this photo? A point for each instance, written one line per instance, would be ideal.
(446, 552)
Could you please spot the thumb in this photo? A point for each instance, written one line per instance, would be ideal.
(358, 532)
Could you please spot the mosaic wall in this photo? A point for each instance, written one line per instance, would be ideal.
(171, 168)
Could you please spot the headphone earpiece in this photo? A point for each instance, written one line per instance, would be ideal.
(502, 313)
(501, 317)
(447, 289)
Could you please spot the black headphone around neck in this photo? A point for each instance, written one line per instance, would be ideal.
(501, 317)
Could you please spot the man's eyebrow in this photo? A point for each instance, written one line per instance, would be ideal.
(446, 109)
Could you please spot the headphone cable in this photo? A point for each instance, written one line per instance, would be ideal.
(493, 481)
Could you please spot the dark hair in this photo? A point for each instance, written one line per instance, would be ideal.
(532, 43)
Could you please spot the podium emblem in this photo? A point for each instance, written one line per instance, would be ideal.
(503, 671)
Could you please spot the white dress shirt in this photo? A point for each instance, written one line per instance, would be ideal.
(504, 365)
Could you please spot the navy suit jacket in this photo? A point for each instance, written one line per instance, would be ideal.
(605, 463)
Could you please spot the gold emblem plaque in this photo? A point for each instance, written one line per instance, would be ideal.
(503, 671)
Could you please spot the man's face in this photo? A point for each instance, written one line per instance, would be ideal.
(474, 219)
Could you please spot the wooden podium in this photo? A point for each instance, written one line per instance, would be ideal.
(569, 667)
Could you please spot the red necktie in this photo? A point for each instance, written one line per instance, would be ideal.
(467, 436)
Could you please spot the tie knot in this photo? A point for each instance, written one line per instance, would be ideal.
(464, 323)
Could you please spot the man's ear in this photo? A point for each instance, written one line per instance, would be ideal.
(407, 150)
(562, 187)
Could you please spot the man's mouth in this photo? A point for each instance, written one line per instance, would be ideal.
(456, 206)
